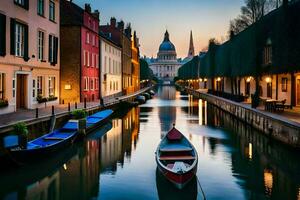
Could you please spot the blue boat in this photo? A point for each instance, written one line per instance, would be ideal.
(97, 119)
(46, 144)
(58, 139)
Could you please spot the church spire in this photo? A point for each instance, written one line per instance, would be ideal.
(167, 37)
(191, 52)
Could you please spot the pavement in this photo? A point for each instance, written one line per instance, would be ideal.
(26, 114)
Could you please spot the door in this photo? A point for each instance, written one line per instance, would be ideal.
(298, 92)
(21, 91)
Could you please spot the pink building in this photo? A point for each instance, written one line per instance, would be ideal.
(80, 53)
(29, 54)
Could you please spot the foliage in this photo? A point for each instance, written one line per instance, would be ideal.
(79, 114)
(251, 12)
(20, 129)
(52, 98)
(3, 103)
(41, 99)
(145, 71)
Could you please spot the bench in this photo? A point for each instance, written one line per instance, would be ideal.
(165, 158)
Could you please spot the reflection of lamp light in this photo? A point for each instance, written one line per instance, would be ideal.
(248, 79)
(250, 151)
(65, 167)
(298, 194)
(268, 180)
(200, 80)
(68, 87)
(218, 79)
(205, 79)
(268, 79)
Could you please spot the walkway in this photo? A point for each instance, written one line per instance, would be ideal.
(28, 115)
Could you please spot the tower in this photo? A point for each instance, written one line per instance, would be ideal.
(191, 52)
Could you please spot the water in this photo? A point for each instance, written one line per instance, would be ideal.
(117, 161)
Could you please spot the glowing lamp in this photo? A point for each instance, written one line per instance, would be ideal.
(218, 79)
(68, 87)
(268, 79)
(248, 79)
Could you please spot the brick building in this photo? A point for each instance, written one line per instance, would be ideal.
(80, 53)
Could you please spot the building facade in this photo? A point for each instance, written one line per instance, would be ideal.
(29, 54)
(122, 36)
(135, 62)
(80, 53)
(165, 66)
(111, 68)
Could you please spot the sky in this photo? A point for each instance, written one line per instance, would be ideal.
(150, 18)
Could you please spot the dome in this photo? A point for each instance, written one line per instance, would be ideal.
(167, 45)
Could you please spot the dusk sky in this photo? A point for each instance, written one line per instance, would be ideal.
(150, 18)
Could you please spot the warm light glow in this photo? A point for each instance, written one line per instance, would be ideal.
(268, 79)
(68, 87)
(205, 112)
(200, 112)
(218, 79)
(249, 79)
(298, 194)
(200, 79)
(268, 180)
(205, 79)
(250, 151)
(65, 167)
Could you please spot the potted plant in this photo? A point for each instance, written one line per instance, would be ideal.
(79, 117)
(21, 130)
(41, 99)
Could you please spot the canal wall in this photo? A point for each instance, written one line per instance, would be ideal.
(276, 127)
(41, 125)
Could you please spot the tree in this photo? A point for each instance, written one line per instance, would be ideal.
(251, 12)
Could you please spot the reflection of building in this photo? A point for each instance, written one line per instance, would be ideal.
(29, 53)
(130, 130)
(111, 147)
(80, 176)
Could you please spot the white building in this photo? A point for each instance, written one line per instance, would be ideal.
(165, 66)
(111, 68)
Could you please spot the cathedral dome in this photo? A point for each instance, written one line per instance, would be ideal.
(167, 45)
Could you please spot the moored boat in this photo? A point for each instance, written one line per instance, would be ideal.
(177, 158)
(98, 119)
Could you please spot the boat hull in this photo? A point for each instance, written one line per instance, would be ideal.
(180, 180)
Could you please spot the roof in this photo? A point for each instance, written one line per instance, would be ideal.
(167, 45)
(109, 40)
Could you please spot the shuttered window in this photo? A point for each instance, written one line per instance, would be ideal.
(2, 35)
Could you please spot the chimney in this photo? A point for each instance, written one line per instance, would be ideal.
(113, 22)
(96, 14)
(121, 25)
(128, 30)
(87, 7)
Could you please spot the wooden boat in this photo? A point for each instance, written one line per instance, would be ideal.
(46, 144)
(141, 99)
(177, 158)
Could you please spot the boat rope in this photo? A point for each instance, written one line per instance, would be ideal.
(202, 192)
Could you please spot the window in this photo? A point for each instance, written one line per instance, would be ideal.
(53, 49)
(97, 61)
(14, 87)
(51, 86)
(109, 65)
(52, 11)
(22, 3)
(40, 7)
(84, 58)
(96, 83)
(2, 35)
(19, 39)
(267, 53)
(105, 63)
(33, 88)
(269, 90)
(92, 83)
(93, 40)
(284, 84)
(86, 83)
(41, 39)
(87, 37)
(39, 86)
(2, 84)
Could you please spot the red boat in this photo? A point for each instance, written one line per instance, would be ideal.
(177, 158)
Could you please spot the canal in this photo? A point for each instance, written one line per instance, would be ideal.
(117, 161)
